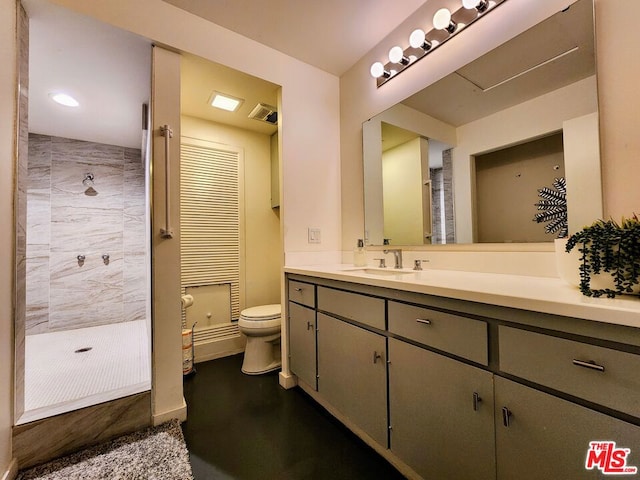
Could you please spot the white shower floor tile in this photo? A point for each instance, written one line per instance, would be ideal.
(58, 380)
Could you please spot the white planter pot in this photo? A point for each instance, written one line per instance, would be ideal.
(568, 268)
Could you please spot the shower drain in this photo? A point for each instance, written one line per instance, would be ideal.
(82, 350)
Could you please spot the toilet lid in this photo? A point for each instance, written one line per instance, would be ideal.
(262, 312)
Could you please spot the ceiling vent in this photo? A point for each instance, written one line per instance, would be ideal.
(265, 113)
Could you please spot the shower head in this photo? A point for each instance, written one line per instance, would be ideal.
(88, 182)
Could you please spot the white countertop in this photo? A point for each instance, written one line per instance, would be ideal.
(538, 294)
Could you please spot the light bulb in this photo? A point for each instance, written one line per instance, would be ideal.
(479, 5)
(442, 21)
(377, 70)
(417, 39)
(396, 55)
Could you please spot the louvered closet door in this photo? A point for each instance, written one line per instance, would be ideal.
(210, 219)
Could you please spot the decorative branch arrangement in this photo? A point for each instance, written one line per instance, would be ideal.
(607, 246)
(554, 204)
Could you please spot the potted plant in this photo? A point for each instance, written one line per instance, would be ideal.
(607, 247)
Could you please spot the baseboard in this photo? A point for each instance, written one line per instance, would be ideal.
(287, 380)
(12, 470)
(180, 413)
(218, 348)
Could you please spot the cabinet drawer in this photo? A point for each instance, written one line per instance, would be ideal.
(363, 309)
(597, 374)
(461, 336)
(303, 293)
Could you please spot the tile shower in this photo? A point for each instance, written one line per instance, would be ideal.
(87, 267)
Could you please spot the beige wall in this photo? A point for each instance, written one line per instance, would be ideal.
(507, 183)
(360, 99)
(261, 222)
(7, 117)
(617, 40)
(402, 197)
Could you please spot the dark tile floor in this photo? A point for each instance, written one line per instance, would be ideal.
(245, 427)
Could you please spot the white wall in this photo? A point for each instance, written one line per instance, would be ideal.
(7, 133)
(261, 222)
(582, 170)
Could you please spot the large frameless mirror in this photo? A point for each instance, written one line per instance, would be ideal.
(503, 150)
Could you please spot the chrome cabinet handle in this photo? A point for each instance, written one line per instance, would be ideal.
(298, 289)
(590, 364)
(506, 416)
(476, 401)
(424, 321)
(376, 357)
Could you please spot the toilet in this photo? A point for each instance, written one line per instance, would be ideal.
(261, 325)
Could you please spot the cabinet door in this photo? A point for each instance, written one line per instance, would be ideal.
(352, 374)
(441, 414)
(302, 343)
(548, 437)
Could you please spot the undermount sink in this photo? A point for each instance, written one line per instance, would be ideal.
(384, 272)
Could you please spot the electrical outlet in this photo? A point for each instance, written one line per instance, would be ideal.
(314, 235)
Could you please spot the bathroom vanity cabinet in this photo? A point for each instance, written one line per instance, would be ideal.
(445, 388)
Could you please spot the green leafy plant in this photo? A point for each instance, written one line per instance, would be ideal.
(606, 246)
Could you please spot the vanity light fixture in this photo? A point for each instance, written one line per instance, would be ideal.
(446, 25)
(225, 102)
(64, 99)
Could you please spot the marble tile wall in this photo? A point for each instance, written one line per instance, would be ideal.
(64, 222)
(447, 184)
(436, 205)
(442, 199)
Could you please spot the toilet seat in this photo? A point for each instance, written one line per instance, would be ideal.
(257, 326)
(261, 313)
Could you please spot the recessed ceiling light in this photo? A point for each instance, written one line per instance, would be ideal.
(225, 102)
(64, 99)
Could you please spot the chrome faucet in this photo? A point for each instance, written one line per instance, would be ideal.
(397, 255)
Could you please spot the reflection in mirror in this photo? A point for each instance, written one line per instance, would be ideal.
(536, 92)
